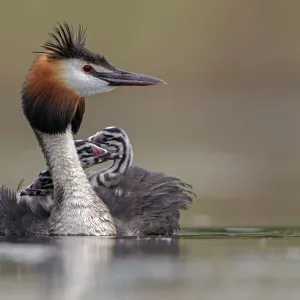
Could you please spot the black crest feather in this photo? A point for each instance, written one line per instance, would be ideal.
(66, 43)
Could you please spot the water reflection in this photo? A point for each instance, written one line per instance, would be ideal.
(79, 267)
(150, 268)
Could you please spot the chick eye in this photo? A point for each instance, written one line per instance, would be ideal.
(87, 68)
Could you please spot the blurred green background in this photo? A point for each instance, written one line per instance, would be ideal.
(228, 120)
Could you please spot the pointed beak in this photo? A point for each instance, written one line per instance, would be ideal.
(98, 151)
(124, 78)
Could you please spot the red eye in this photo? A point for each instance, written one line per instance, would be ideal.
(87, 68)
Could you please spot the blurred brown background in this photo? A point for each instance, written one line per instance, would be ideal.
(228, 120)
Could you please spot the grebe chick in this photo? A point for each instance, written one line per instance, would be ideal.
(141, 202)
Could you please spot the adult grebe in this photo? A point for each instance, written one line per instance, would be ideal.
(53, 103)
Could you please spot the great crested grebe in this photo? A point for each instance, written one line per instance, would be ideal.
(53, 103)
(141, 202)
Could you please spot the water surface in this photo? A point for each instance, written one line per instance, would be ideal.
(231, 263)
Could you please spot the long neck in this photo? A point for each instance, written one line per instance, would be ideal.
(109, 177)
(77, 202)
(64, 165)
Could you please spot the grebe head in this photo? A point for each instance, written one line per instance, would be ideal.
(63, 74)
(112, 138)
(90, 153)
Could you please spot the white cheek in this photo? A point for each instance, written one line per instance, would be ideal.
(83, 83)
